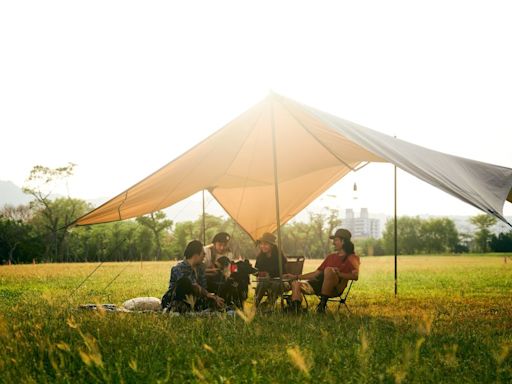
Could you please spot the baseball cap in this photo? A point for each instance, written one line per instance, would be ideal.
(342, 233)
(221, 237)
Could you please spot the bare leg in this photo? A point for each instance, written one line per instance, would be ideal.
(331, 281)
(296, 293)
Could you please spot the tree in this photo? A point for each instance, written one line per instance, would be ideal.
(21, 213)
(409, 239)
(318, 243)
(41, 181)
(482, 236)
(53, 216)
(501, 243)
(369, 247)
(416, 235)
(296, 239)
(52, 220)
(182, 234)
(118, 241)
(332, 221)
(11, 234)
(157, 223)
(186, 231)
(13, 227)
(144, 244)
(17, 241)
(438, 235)
(241, 244)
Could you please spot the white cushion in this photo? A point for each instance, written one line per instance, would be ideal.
(143, 304)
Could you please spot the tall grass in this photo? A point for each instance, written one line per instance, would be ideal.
(451, 322)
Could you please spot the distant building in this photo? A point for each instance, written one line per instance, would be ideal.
(362, 226)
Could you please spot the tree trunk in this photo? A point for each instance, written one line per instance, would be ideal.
(158, 246)
(11, 252)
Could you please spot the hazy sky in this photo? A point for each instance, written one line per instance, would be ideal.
(121, 88)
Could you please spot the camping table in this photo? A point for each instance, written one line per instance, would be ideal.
(279, 290)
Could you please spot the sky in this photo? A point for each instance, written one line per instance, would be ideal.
(121, 88)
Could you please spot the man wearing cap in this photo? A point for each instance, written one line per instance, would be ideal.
(216, 264)
(331, 277)
(218, 248)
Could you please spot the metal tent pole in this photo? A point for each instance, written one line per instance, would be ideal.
(276, 192)
(396, 242)
(204, 223)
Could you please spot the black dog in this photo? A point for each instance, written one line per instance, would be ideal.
(241, 280)
(234, 289)
(215, 282)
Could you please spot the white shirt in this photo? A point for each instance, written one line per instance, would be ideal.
(208, 255)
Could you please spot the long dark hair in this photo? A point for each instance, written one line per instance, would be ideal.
(348, 247)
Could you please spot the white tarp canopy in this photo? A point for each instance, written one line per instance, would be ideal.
(313, 151)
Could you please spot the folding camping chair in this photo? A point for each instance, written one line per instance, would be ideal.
(294, 268)
(340, 299)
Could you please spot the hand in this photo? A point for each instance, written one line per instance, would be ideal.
(219, 301)
(262, 274)
(290, 276)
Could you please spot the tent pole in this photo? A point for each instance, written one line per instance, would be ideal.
(396, 242)
(203, 229)
(276, 193)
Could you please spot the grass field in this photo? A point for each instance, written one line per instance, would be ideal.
(451, 323)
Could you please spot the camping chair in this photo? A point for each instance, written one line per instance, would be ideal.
(340, 299)
(294, 268)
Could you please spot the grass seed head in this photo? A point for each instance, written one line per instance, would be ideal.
(133, 365)
(63, 346)
(297, 359)
(198, 369)
(248, 313)
(71, 322)
(190, 300)
(501, 354)
(425, 324)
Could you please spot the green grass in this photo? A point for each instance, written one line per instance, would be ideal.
(451, 323)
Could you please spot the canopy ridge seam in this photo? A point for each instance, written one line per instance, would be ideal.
(316, 138)
(121, 205)
(212, 189)
(246, 179)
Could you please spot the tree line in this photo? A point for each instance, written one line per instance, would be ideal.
(41, 232)
(28, 235)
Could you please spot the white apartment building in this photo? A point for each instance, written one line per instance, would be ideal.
(362, 226)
